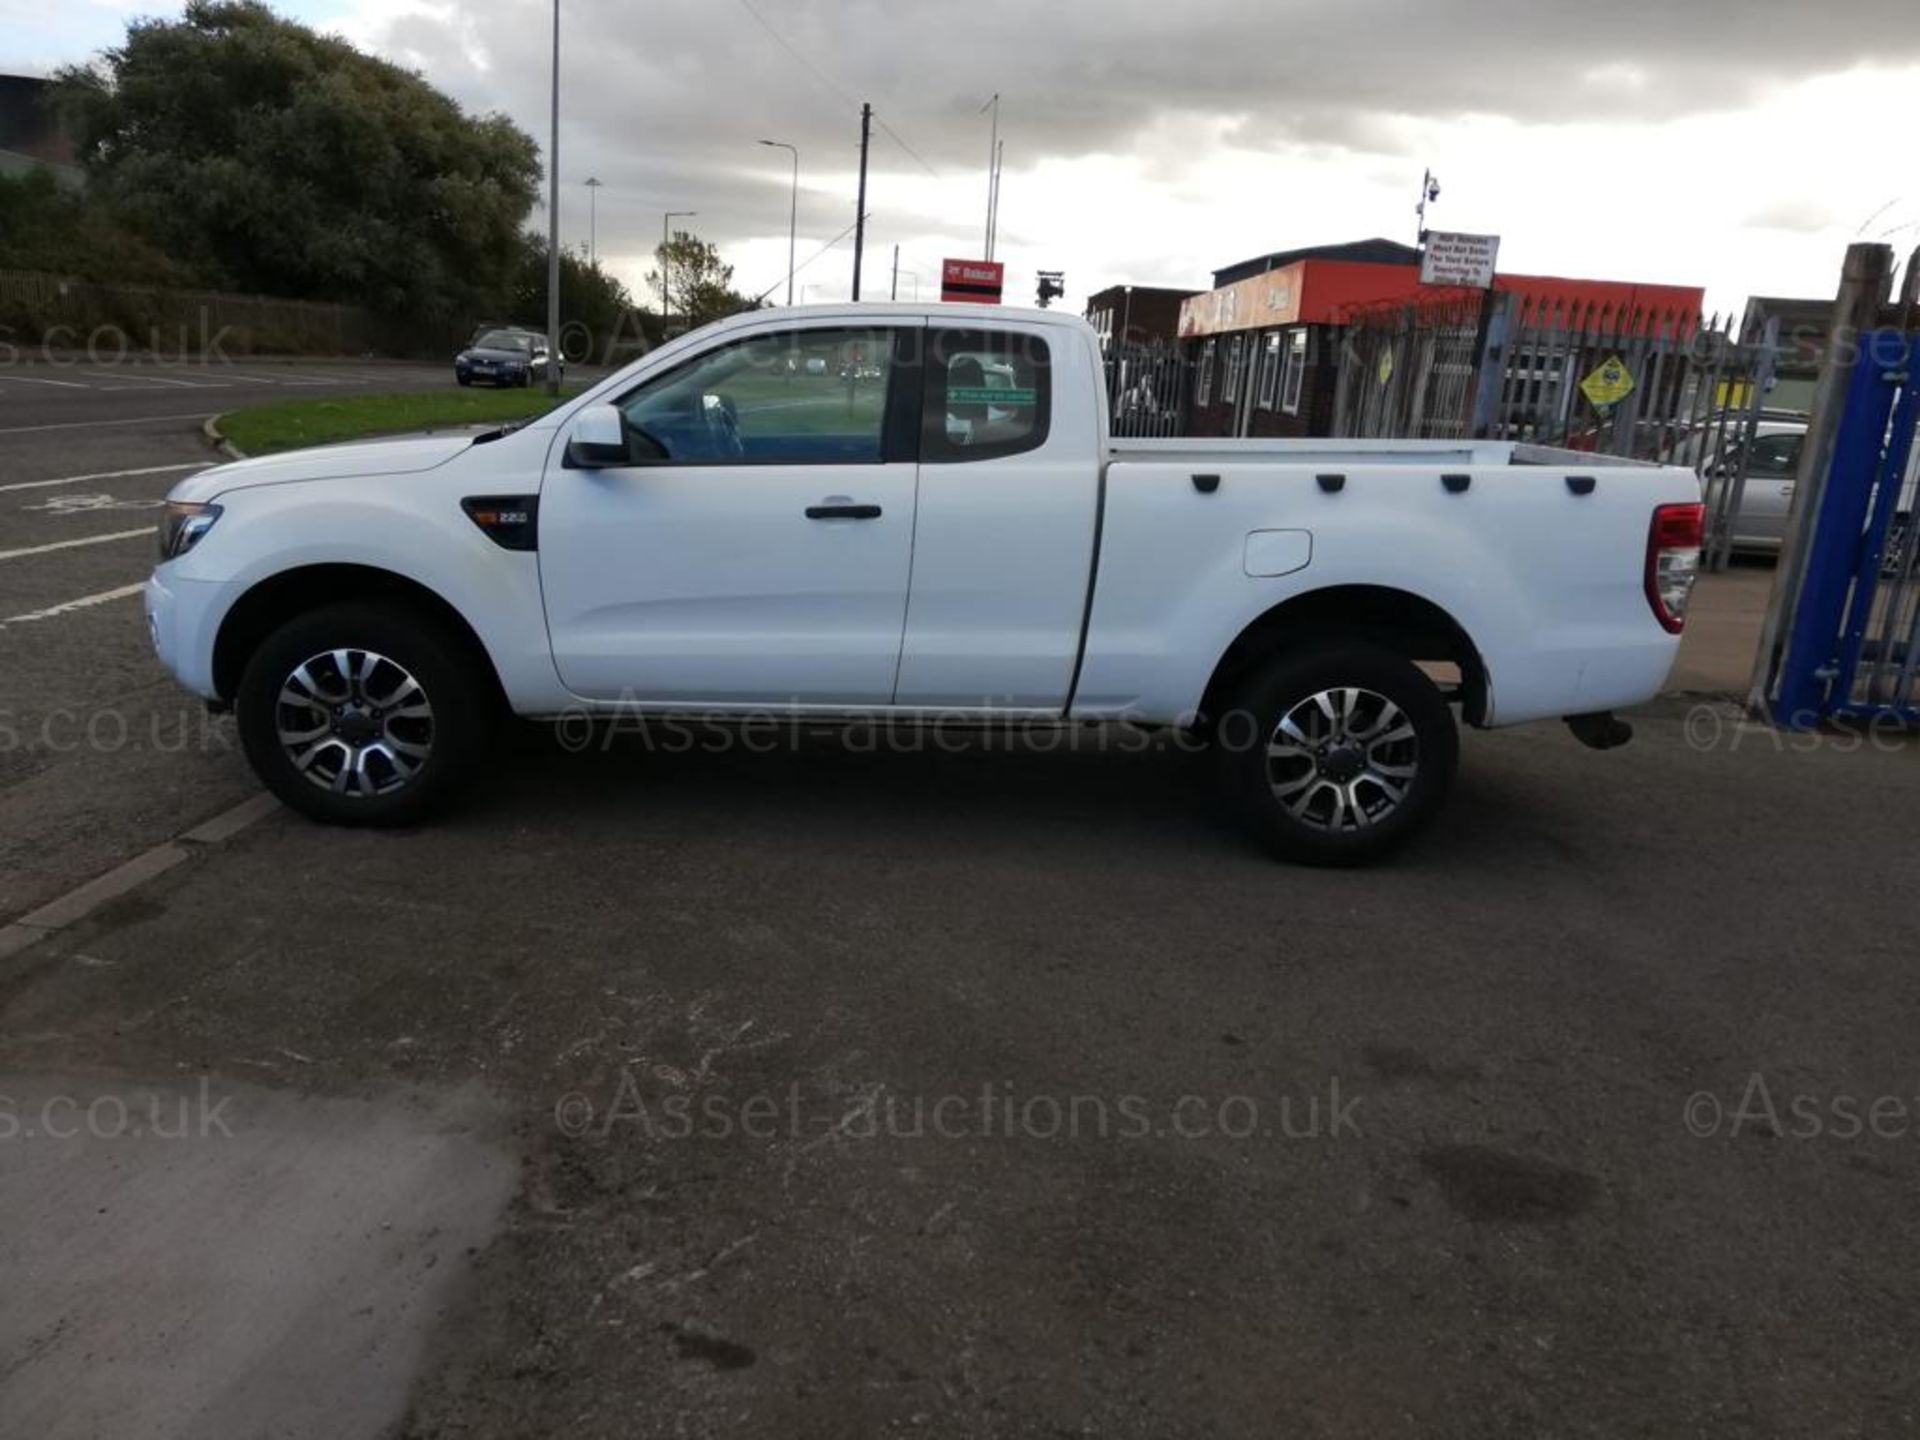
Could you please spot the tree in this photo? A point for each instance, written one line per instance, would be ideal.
(699, 287)
(268, 158)
(596, 310)
(45, 225)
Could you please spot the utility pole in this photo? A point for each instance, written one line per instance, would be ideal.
(993, 209)
(993, 169)
(553, 221)
(894, 293)
(860, 215)
(593, 221)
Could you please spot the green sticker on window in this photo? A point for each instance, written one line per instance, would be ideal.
(987, 395)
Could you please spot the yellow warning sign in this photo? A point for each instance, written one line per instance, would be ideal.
(1608, 385)
(1386, 366)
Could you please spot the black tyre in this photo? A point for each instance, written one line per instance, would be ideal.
(1338, 755)
(464, 381)
(364, 714)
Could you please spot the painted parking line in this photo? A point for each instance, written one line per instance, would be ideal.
(144, 530)
(98, 424)
(35, 380)
(149, 379)
(104, 475)
(148, 389)
(85, 602)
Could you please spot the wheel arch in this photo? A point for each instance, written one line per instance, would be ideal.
(271, 602)
(1409, 625)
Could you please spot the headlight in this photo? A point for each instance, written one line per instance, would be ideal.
(182, 525)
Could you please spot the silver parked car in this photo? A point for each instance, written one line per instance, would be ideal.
(1773, 467)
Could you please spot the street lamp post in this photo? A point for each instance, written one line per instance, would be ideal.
(553, 220)
(793, 213)
(666, 239)
(593, 221)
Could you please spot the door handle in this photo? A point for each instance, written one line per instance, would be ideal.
(843, 512)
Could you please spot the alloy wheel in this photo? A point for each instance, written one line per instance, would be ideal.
(1343, 759)
(354, 722)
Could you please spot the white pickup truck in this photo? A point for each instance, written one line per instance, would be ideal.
(916, 512)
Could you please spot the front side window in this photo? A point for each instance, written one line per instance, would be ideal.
(1776, 456)
(989, 393)
(799, 397)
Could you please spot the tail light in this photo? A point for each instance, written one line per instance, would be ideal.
(1673, 562)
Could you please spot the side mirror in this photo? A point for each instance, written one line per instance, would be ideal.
(599, 439)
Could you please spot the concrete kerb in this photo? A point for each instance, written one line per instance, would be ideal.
(76, 905)
(212, 433)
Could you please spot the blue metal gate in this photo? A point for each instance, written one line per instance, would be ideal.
(1855, 636)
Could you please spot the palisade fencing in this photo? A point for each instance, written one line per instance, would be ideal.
(1147, 389)
(1642, 382)
(114, 321)
(1695, 399)
(1407, 370)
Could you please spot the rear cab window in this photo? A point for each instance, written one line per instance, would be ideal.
(988, 394)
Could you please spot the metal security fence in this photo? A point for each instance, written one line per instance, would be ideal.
(113, 321)
(1853, 636)
(1408, 371)
(1655, 384)
(1147, 390)
(1647, 383)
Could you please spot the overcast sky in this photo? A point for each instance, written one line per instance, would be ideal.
(1735, 144)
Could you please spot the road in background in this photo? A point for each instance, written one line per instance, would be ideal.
(101, 754)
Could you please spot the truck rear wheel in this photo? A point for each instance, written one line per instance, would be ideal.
(1337, 756)
(363, 714)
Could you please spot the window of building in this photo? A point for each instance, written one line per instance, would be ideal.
(989, 393)
(1236, 364)
(797, 397)
(1269, 371)
(1203, 386)
(1296, 372)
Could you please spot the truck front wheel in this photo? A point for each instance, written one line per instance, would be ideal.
(362, 714)
(1338, 756)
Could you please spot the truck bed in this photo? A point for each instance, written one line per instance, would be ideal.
(1538, 556)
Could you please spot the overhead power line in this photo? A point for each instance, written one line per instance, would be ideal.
(826, 80)
(809, 260)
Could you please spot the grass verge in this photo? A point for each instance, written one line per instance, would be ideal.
(292, 424)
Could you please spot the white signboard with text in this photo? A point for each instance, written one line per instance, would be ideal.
(1454, 259)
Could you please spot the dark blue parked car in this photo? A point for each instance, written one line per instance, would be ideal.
(503, 357)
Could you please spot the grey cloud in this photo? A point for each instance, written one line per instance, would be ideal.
(664, 100)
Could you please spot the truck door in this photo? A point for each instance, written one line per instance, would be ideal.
(756, 552)
(1010, 458)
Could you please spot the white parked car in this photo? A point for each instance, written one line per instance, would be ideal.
(946, 535)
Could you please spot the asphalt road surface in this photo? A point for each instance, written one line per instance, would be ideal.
(826, 1092)
(100, 755)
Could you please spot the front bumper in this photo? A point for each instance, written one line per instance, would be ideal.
(183, 619)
